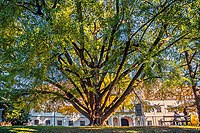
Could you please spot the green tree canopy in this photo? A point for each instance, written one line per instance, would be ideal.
(84, 41)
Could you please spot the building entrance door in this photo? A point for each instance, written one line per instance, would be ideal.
(124, 122)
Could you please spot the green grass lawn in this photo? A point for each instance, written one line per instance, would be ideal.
(50, 129)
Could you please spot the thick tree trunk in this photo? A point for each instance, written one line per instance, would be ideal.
(96, 117)
(96, 120)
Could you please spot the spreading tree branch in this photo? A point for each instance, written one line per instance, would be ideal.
(153, 18)
(73, 100)
(125, 93)
(170, 44)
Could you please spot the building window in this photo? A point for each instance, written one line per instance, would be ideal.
(48, 122)
(59, 122)
(138, 109)
(149, 123)
(36, 122)
(71, 123)
(82, 123)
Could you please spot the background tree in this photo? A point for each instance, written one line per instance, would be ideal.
(180, 78)
(15, 110)
(83, 41)
(173, 87)
(191, 69)
(190, 58)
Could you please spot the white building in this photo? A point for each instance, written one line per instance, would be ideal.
(161, 113)
(57, 119)
(153, 117)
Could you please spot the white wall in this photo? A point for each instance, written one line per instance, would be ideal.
(154, 116)
(43, 117)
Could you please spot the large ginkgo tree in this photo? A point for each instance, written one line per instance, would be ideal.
(75, 45)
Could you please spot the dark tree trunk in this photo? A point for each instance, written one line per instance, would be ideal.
(97, 120)
(193, 70)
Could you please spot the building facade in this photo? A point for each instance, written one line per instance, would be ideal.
(56, 119)
(153, 117)
(161, 112)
